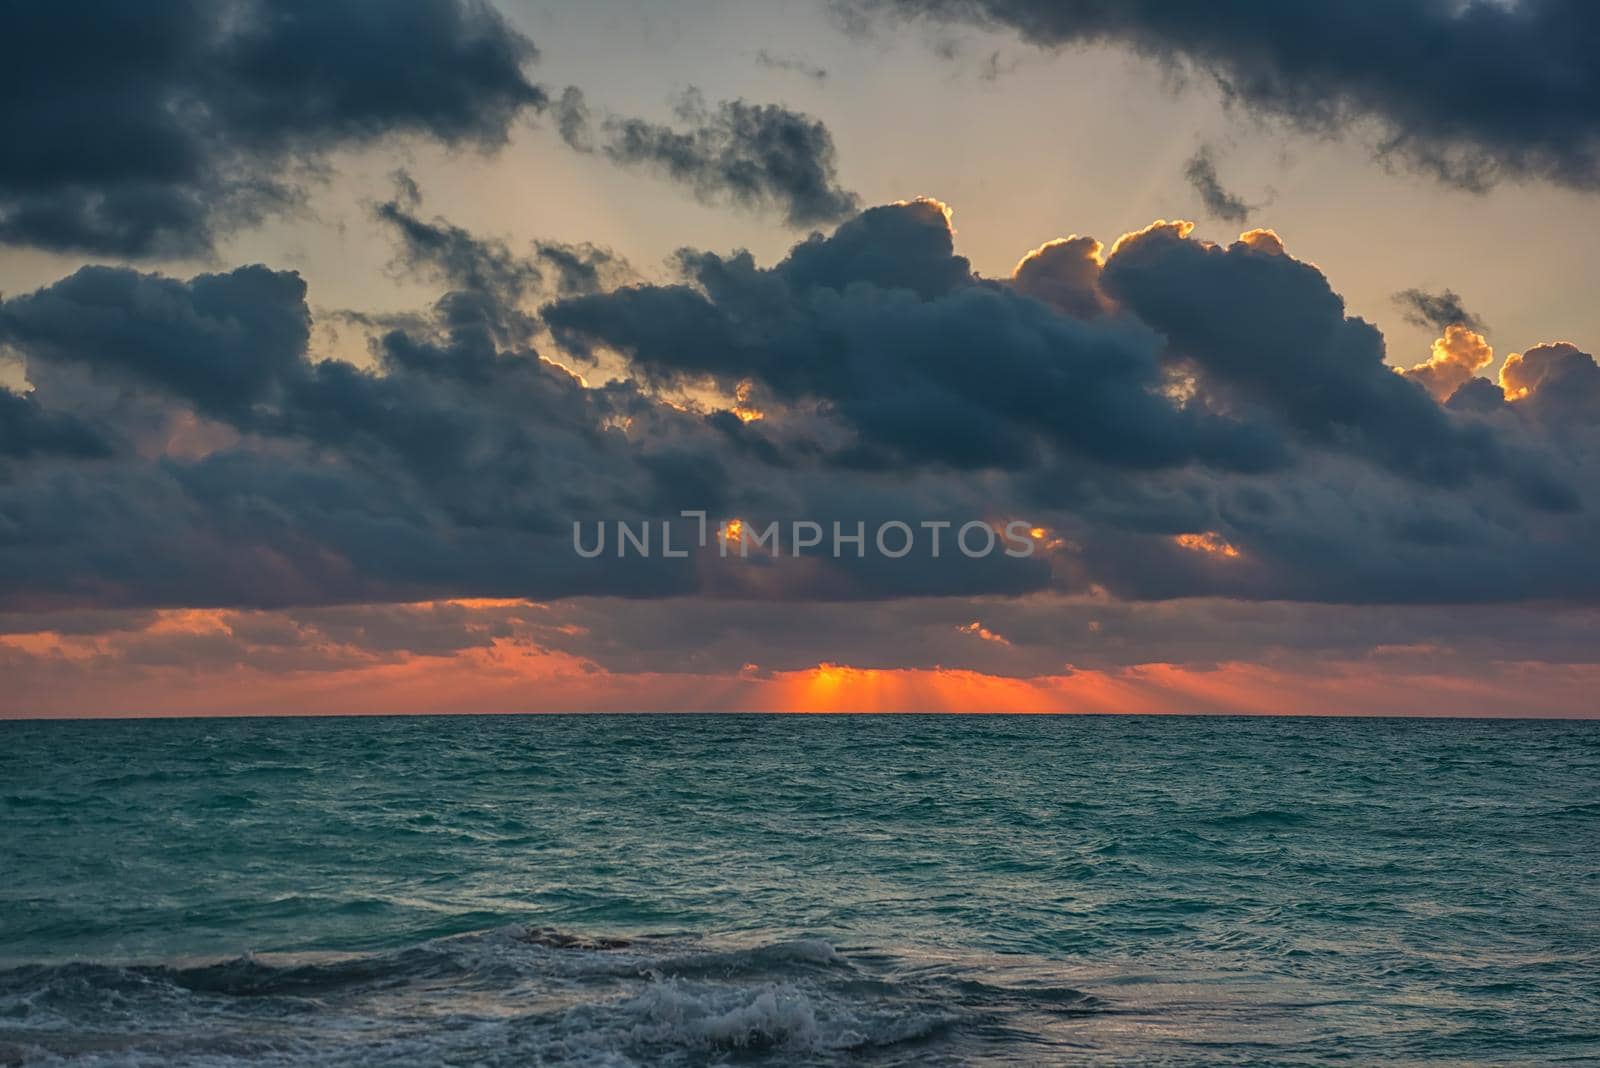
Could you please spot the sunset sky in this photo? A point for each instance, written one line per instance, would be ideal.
(321, 323)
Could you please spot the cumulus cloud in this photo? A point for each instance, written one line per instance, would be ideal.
(1555, 383)
(1064, 273)
(152, 132)
(1457, 356)
(1524, 81)
(1269, 330)
(26, 430)
(882, 322)
(223, 342)
(1528, 372)
(143, 130)
(455, 464)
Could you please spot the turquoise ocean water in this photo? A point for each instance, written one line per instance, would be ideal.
(642, 890)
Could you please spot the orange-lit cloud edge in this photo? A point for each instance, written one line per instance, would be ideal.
(516, 676)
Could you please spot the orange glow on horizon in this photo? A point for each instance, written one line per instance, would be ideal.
(515, 675)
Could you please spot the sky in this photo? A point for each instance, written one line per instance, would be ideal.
(1266, 335)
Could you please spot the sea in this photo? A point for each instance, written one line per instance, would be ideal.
(625, 890)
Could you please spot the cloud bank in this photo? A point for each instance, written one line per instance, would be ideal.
(1180, 419)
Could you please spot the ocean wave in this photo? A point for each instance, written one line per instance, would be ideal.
(518, 994)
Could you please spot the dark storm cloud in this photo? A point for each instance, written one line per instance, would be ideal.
(140, 130)
(1472, 92)
(1065, 274)
(1201, 173)
(761, 156)
(1558, 384)
(26, 430)
(454, 465)
(223, 342)
(1268, 329)
(1436, 311)
(1188, 420)
(886, 325)
(1235, 395)
(1334, 533)
(1477, 395)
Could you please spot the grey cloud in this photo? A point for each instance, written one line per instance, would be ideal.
(224, 342)
(1436, 310)
(27, 430)
(885, 324)
(1047, 635)
(488, 280)
(792, 63)
(1064, 273)
(141, 130)
(1560, 384)
(572, 120)
(754, 156)
(760, 156)
(583, 267)
(1201, 173)
(458, 257)
(1268, 329)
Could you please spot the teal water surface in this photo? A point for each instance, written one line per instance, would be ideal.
(625, 890)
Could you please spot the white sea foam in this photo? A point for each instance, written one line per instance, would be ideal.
(511, 995)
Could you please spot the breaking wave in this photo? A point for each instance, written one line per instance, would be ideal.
(514, 995)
